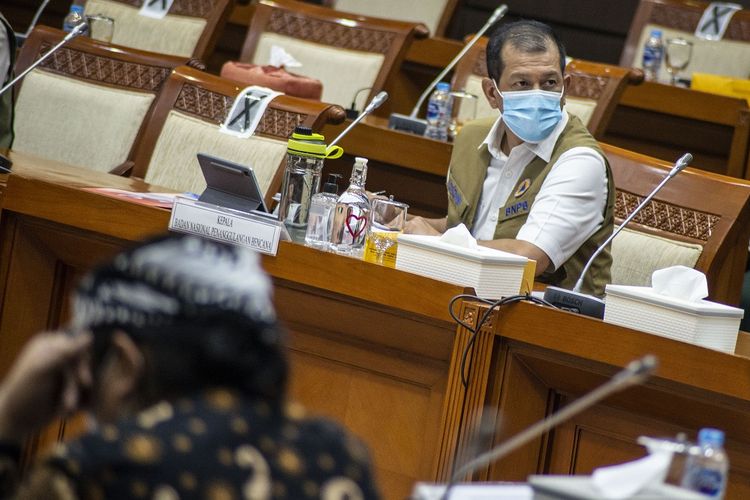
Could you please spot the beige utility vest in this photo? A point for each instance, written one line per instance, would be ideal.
(468, 170)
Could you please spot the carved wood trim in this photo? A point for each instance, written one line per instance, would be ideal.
(86, 66)
(190, 8)
(666, 217)
(682, 19)
(587, 86)
(214, 107)
(480, 65)
(293, 25)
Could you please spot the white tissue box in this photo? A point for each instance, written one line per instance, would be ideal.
(492, 273)
(704, 323)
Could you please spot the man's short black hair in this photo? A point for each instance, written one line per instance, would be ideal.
(530, 37)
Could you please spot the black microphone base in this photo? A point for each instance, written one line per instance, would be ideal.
(406, 123)
(576, 302)
(5, 164)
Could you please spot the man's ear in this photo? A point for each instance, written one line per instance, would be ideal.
(566, 82)
(128, 366)
(491, 94)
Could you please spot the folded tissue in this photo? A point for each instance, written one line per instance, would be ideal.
(675, 307)
(455, 257)
(282, 59)
(625, 480)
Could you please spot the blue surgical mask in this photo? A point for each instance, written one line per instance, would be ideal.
(531, 115)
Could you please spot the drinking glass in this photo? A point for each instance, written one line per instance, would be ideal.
(677, 56)
(101, 28)
(464, 110)
(387, 220)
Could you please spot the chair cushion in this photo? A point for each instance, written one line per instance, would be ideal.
(636, 255)
(77, 122)
(173, 35)
(428, 12)
(174, 163)
(342, 71)
(722, 57)
(274, 78)
(580, 107)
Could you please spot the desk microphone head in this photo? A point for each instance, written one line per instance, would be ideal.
(680, 164)
(376, 102)
(498, 14)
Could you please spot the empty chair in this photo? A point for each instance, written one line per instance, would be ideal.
(699, 220)
(435, 14)
(353, 56)
(85, 104)
(592, 95)
(186, 121)
(679, 18)
(189, 29)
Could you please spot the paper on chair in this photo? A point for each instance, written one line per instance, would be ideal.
(625, 480)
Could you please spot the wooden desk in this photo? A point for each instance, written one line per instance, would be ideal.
(370, 346)
(531, 360)
(665, 121)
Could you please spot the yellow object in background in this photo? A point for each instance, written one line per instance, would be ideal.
(722, 85)
(371, 255)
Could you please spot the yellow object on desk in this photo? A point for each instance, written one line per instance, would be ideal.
(722, 85)
(389, 256)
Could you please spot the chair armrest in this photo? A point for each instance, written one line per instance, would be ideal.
(335, 115)
(635, 76)
(421, 31)
(123, 169)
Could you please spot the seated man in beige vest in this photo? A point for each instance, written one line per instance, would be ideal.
(532, 181)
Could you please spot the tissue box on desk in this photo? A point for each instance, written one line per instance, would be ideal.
(705, 323)
(493, 274)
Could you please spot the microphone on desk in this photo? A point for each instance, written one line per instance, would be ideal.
(588, 305)
(374, 104)
(410, 123)
(80, 29)
(635, 373)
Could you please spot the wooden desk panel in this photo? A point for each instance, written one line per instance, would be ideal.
(368, 345)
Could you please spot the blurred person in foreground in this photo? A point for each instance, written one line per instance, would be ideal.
(7, 61)
(175, 350)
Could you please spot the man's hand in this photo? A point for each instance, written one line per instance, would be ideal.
(46, 381)
(420, 225)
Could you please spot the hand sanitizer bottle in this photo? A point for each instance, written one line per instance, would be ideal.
(351, 214)
(320, 220)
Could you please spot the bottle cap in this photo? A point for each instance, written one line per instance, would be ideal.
(656, 33)
(332, 184)
(709, 436)
(306, 143)
(444, 86)
(76, 8)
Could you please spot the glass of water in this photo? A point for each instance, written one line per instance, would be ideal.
(678, 52)
(387, 220)
(101, 28)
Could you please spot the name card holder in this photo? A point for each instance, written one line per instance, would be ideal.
(258, 231)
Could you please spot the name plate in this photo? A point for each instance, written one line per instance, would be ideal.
(257, 232)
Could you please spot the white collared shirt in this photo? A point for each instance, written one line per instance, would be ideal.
(567, 210)
(4, 54)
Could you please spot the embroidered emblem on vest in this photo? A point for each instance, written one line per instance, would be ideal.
(519, 208)
(522, 188)
(453, 192)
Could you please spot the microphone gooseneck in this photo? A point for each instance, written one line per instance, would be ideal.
(636, 372)
(376, 101)
(679, 165)
(498, 14)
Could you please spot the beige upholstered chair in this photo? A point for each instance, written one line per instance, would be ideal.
(85, 105)
(186, 122)
(679, 18)
(346, 53)
(435, 14)
(189, 29)
(592, 95)
(699, 220)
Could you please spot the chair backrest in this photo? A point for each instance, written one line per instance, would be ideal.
(592, 95)
(435, 14)
(679, 18)
(347, 53)
(190, 29)
(699, 219)
(85, 104)
(186, 122)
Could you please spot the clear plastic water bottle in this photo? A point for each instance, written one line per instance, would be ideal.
(351, 214)
(439, 111)
(320, 220)
(706, 472)
(74, 17)
(653, 55)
